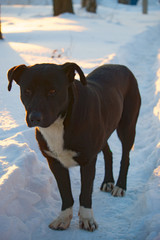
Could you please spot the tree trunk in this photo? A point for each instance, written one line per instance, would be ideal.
(62, 6)
(123, 1)
(145, 6)
(83, 3)
(1, 37)
(90, 5)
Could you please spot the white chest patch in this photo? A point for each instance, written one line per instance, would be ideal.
(54, 138)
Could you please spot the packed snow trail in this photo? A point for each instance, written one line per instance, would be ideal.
(144, 217)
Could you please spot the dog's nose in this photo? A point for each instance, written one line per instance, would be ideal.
(35, 118)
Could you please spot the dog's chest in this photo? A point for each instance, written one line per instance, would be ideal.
(55, 141)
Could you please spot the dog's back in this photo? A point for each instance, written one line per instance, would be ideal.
(113, 91)
(114, 78)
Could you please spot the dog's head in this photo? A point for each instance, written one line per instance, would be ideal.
(44, 90)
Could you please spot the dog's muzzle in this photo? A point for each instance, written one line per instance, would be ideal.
(35, 119)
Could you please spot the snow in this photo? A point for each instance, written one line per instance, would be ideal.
(29, 197)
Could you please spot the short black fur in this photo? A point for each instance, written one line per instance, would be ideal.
(107, 99)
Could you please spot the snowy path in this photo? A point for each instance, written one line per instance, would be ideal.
(29, 198)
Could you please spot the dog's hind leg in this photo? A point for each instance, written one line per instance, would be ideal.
(126, 133)
(108, 182)
(126, 136)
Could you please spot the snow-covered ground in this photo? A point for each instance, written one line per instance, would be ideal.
(29, 198)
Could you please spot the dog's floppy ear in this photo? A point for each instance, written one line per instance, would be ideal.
(14, 74)
(70, 68)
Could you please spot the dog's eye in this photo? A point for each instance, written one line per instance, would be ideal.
(51, 92)
(28, 92)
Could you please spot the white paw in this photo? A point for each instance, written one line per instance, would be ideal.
(107, 187)
(63, 221)
(86, 219)
(118, 192)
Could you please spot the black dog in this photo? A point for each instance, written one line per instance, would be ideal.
(73, 121)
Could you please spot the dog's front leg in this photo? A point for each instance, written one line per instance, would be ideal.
(61, 174)
(86, 218)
